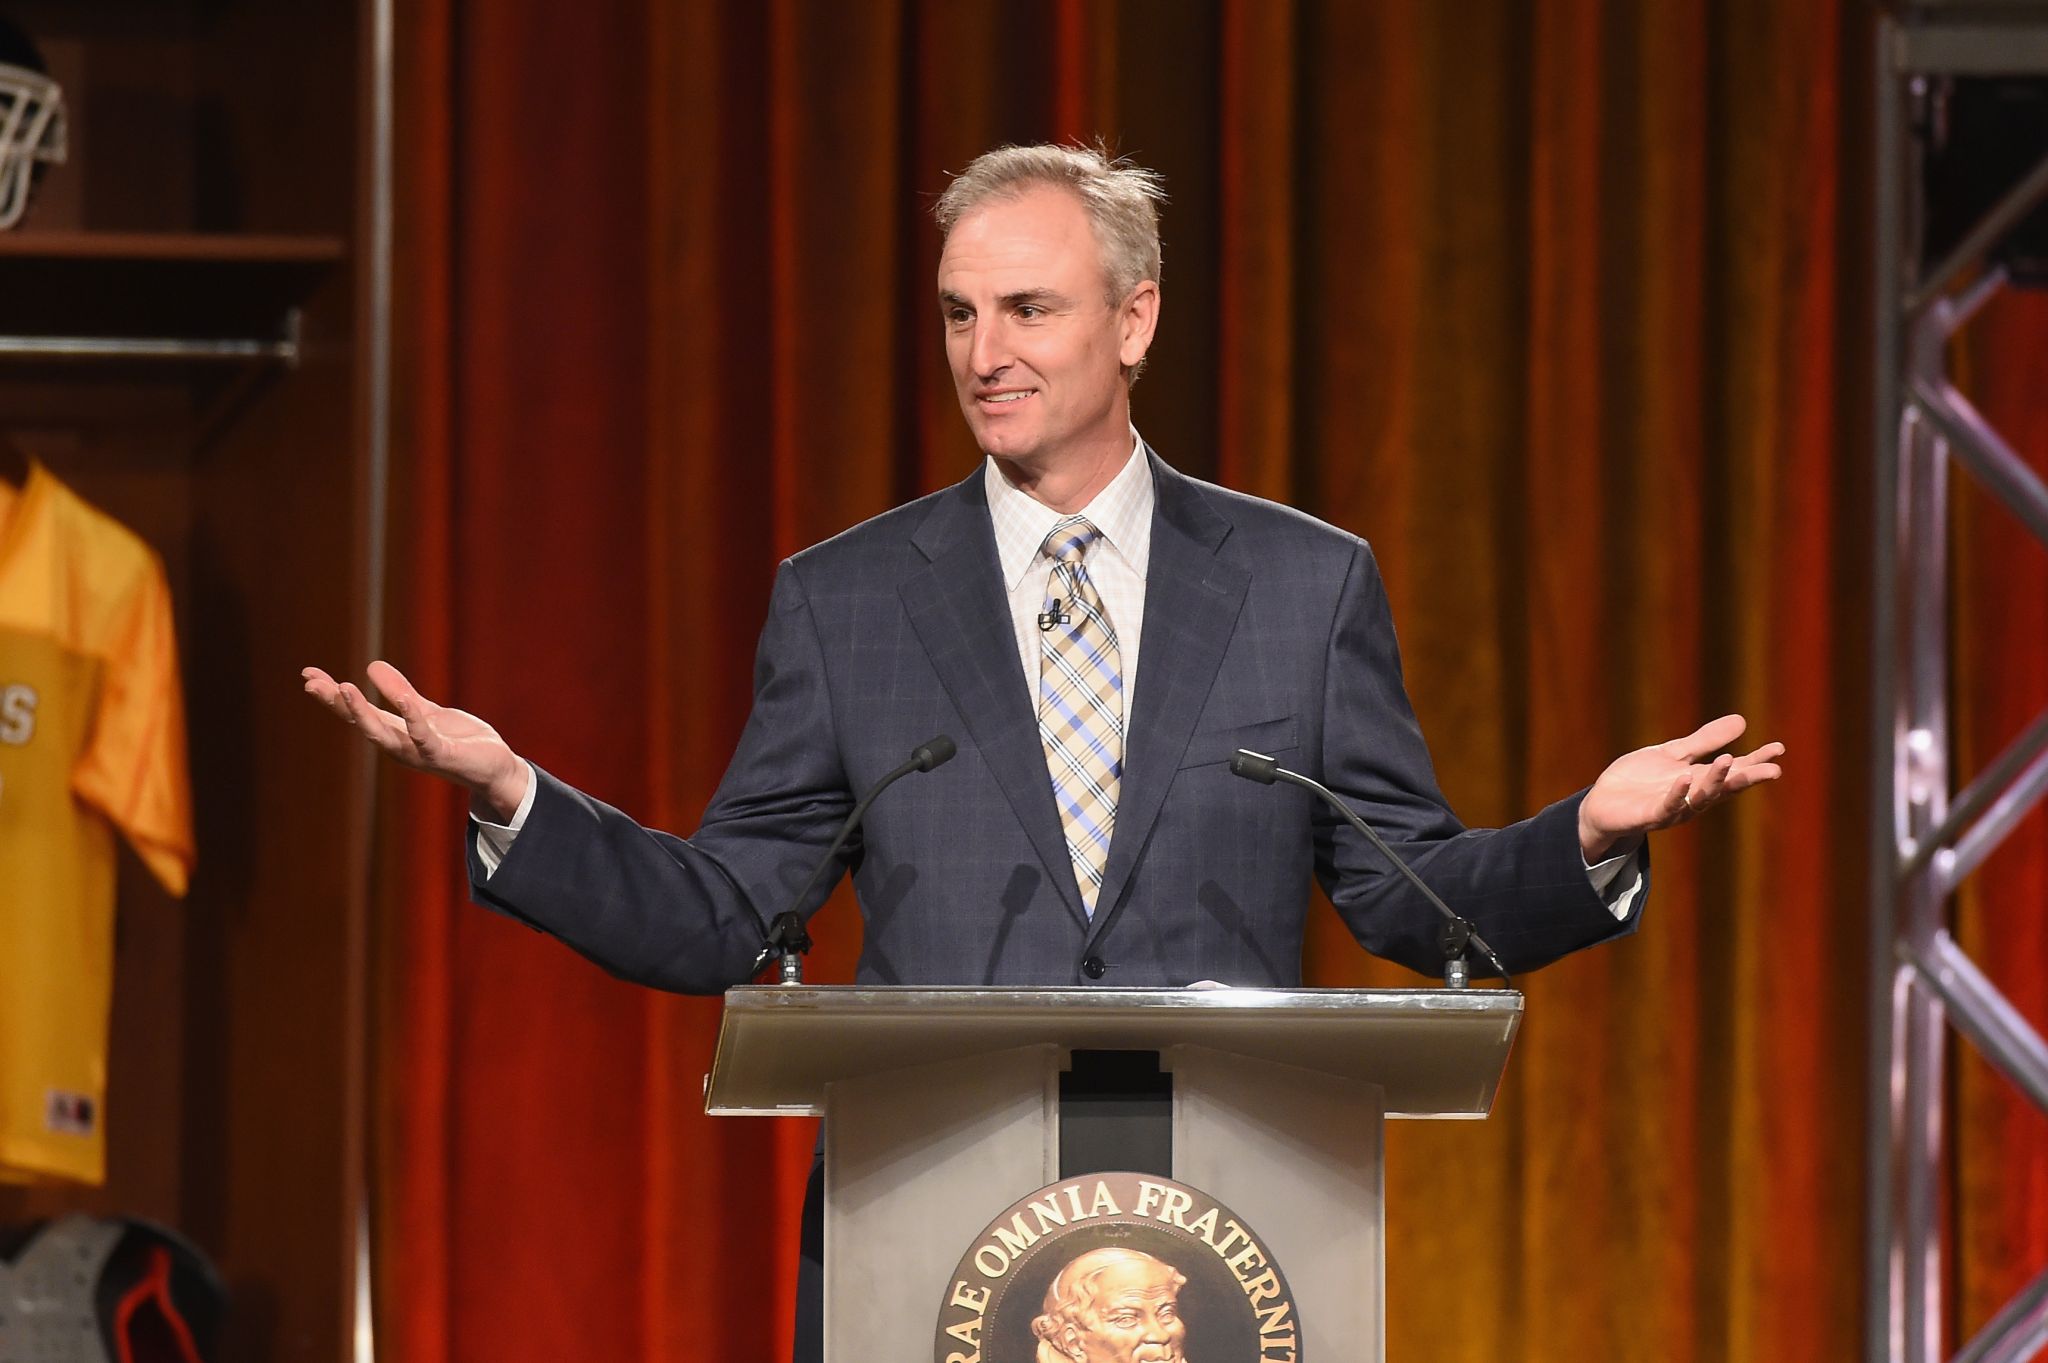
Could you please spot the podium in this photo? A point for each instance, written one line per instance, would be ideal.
(944, 1106)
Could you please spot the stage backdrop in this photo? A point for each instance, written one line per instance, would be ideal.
(1567, 314)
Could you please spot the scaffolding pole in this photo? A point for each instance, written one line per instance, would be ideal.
(1927, 835)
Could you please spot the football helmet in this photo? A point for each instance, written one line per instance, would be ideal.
(31, 122)
(84, 1289)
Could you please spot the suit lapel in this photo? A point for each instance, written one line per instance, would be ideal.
(957, 605)
(962, 616)
(1192, 600)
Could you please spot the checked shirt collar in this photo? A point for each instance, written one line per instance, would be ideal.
(1122, 512)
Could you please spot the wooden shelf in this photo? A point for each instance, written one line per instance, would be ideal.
(172, 247)
(153, 295)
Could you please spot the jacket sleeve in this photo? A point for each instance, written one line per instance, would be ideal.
(1524, 887)
(689, 914)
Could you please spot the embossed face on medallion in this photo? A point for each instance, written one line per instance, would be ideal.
(1113, 1306)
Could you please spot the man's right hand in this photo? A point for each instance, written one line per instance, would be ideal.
(451, 744)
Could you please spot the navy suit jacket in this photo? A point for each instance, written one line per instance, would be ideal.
(1264, 629)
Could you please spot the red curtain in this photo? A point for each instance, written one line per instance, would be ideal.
(1563, 307)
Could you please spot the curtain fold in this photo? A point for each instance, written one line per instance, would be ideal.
(1562, 307)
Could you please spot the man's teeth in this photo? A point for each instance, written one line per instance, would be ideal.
(1005, 397)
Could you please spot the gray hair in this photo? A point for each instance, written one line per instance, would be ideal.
(1121, 197)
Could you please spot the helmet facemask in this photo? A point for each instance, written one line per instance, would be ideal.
(31, 135)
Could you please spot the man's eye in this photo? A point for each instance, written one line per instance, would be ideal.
(1029, 311)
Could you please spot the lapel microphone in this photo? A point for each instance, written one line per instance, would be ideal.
(787, 938)
(1457, 932)
(1053, 615)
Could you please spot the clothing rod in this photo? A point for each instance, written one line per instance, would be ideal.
(144, 348)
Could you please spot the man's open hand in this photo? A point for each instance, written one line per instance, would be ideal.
(451, 744)
(1667, 784)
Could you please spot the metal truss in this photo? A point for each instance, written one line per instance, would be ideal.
(1928, 835)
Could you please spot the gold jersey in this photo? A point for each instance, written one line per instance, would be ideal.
(92, 739)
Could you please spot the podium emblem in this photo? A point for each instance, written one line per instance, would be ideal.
(1117, 1268)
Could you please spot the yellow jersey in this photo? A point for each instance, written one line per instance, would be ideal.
(92, 739)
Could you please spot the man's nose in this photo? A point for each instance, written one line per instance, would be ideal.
(990, 353)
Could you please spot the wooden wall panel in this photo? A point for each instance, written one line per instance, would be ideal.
(234, 1105)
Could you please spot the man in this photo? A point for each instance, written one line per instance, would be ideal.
(1101, 633)
(1113, 1305)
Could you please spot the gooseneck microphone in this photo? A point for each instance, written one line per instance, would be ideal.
(787, 938)
(1457, 932)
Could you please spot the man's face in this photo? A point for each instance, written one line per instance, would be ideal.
(1136, 1316)
(1035, 347)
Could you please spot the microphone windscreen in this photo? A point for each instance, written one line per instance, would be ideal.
(1254, 766)
(934, 753)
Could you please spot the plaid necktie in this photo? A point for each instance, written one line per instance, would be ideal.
(1080, 704)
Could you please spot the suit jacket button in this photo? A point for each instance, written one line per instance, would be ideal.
(1094, 967)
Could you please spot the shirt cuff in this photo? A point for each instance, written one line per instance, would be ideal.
(1625, 870)
(494, 840)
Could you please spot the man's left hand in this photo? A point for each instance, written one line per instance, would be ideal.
(1668, 783)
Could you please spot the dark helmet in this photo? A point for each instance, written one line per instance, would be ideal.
(97, 1289)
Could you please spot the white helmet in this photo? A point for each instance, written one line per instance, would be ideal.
(31, 122)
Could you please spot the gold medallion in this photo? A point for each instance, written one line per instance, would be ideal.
(1118, 1268)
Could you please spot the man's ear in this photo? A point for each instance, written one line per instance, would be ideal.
(1136, 322)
